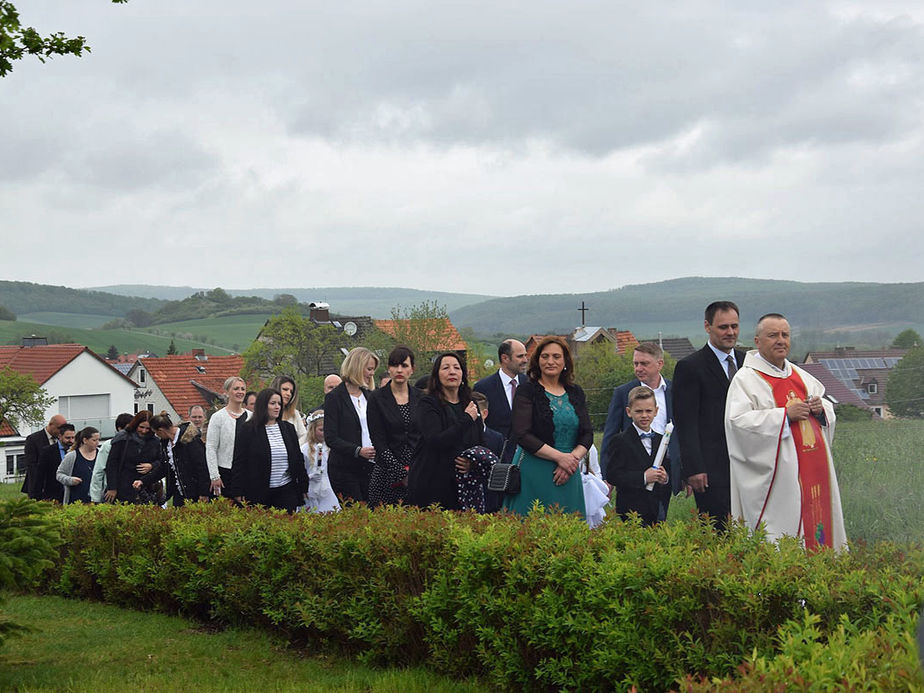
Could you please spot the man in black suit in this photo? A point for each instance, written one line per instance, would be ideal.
(35, 444)
(47, 486)
(501, 386)
(647, 360)
(700, 386)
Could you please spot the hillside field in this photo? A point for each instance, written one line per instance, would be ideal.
(234, 332)
(126, 341)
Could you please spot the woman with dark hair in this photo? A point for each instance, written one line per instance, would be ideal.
(184, 453)
(134, 458)
(552, 430)
(393, 427)
(268, 467)
(76, 469)
(288, 388)
(449, 424)
(346, 426)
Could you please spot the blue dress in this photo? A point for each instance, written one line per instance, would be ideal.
(536, 480)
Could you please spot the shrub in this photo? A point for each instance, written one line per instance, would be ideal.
(535, 604)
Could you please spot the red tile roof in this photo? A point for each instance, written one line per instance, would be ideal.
(625, 340)
(43, 361)
(178, 376)
(450, 339)
(7, 431)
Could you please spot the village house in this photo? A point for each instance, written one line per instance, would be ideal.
(87, 391)
(175, 383)
(863, 371)
(584, 336)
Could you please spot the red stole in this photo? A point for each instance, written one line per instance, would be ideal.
(812, 453)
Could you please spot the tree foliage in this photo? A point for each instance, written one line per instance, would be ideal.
(22, 400)
(905, 388)
(17, 41)
(292, 344)
(7, 314)
(171, 350)
(907, 339)
(28, 541)
(112, 353)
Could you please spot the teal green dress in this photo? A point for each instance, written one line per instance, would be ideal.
(536, 480)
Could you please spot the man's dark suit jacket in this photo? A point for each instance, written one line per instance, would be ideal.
(617, 420)
(626, 471)
(46, 482)
(499, 414)
(35, 445)
(699, 388)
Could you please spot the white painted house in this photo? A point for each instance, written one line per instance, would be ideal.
(87, 391)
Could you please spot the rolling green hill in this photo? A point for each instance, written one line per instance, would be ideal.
(675, 307)
(233, 331)
(126, 341)
(376, 302)
(27, 297)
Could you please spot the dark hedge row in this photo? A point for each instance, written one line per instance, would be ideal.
(538, 604)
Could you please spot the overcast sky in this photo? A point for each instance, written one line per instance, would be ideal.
(491, 147)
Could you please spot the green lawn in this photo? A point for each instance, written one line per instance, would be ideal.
(85, 646)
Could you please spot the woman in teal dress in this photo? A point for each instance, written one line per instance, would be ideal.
(552, 431)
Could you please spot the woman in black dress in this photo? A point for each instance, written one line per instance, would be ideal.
(449, 424)
(268, 467)
(393, 427)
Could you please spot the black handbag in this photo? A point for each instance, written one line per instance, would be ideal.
(505, 477)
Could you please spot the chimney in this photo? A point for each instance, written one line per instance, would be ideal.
(199, 354)
(319, 312)
(34, 341)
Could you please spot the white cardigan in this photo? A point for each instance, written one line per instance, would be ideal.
(219, 443)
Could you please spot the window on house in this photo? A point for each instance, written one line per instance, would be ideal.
(15, 465)
(83, 407)
(151, 407)
(872, 388)
(141, 375)
(136, 407)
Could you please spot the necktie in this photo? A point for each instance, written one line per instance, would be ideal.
(513, 391)
(732, 366)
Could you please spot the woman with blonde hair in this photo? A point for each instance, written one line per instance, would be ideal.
(219, 445)
(289, 389)
(346, 426)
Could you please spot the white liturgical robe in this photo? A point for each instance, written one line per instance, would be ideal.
(765, 485)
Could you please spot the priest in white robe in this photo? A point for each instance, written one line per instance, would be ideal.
(779, 430)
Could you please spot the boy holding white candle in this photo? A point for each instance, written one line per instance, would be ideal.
(630, 467)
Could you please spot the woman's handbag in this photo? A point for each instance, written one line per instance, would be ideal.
(504, 477)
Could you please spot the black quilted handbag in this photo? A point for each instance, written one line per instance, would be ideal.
(505, 477)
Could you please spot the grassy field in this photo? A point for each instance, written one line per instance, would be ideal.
(83, 646)
(127, 341)
(81, 320)
(233, 331)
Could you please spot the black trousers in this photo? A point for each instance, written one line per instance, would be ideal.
(350, 482)
(715, 501)
(284, 497)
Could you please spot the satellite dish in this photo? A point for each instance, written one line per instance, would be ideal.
(349, 329)
(489, 363)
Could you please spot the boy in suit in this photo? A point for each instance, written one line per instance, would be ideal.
(629, 467)
(494, 441)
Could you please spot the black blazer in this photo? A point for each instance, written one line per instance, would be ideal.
(532, 417)
(126, 454)
(699, 389)
(386, 426)
(343, 433)
(35, 445)
(46, 485)
(432, 477)
(252, 465)
(617, 420)
(190, 479)
(499, 412)
(625, 470)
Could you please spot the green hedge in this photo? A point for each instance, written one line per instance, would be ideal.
(537, 604)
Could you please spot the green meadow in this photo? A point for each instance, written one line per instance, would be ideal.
(126, 341)
(234, 332)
